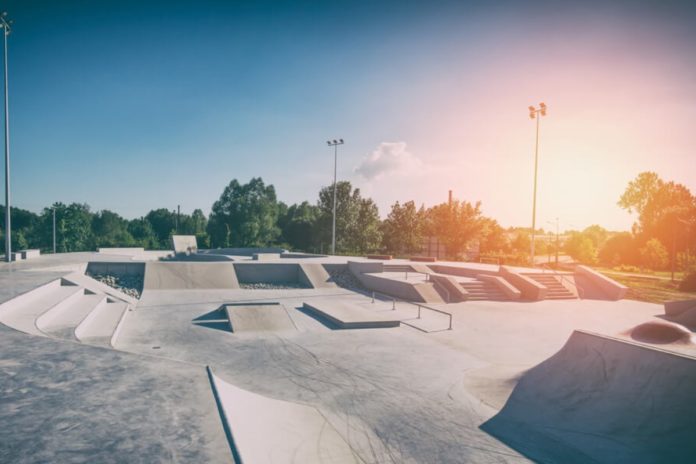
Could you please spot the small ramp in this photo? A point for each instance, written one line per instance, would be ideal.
(603, 399)
(316, 275)
(347, 316)
(264, 430)
(259, 317)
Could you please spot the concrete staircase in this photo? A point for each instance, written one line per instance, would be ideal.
(63, 309)
(556, 290)
(479, 290)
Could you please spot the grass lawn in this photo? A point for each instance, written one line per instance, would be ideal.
(648, 288)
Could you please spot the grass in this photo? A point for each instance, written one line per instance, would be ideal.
(650, 289)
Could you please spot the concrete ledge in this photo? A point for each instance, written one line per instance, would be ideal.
(506, 287)
(528, 287)
(422, 259)
(30, 254)
(121, 251)
(265, 256)
(345, 316)
(611, 288)
(456, 292)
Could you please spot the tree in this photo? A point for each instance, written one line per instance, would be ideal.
(403, 229)
(493, 237)
(73, 227)
(246, 215)
(163, 224)
(111, 230)
(298, 224)
(654, 255)
(581, 248)
(663, 208)
(456, 224)
(619, 249)
(365, 236)
(143, 234)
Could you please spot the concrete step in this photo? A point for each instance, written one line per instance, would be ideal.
(61, 322)
(23, 315)
(99, 326)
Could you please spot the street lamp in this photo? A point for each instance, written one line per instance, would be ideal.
(334, 143)
(557, 239)
(5, 24)
(535, 113)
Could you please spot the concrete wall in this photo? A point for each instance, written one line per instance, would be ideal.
(529, 288)
(94, 268)
(184, 244)
(612, 289)
(270, 273)
(189, 275)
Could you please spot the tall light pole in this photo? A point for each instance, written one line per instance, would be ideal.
(334, 143)
(54, 229)
(5, 24)
(535, 113)
(557, 240)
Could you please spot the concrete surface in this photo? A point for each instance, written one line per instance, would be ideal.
(416, 393)
(65, 402)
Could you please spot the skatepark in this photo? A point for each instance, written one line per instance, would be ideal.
(264, 356)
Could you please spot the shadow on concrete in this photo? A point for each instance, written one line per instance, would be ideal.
(601, 399)
(216, 319)
(323, 320)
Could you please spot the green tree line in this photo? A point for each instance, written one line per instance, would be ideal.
(250, 215)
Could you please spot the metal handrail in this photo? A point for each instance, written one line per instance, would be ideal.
(419, 305)
(563, 277)
(437, 311)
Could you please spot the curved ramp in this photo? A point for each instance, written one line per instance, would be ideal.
(602, 399)
(265, 430)
(190, 275)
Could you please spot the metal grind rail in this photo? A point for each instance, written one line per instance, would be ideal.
(563, 278)
(419, 305)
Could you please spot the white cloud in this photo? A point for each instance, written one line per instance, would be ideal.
(388, 158)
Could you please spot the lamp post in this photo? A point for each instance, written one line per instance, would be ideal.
(334, 143)
(535, 113)
(557, 241)
(5, 25)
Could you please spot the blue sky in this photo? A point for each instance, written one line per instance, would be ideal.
(138, 105)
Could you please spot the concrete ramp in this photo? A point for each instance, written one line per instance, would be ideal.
(348, 316)
(190, 275)
(316, 276)
(602, 399)
(270, 431)
(259, 317)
